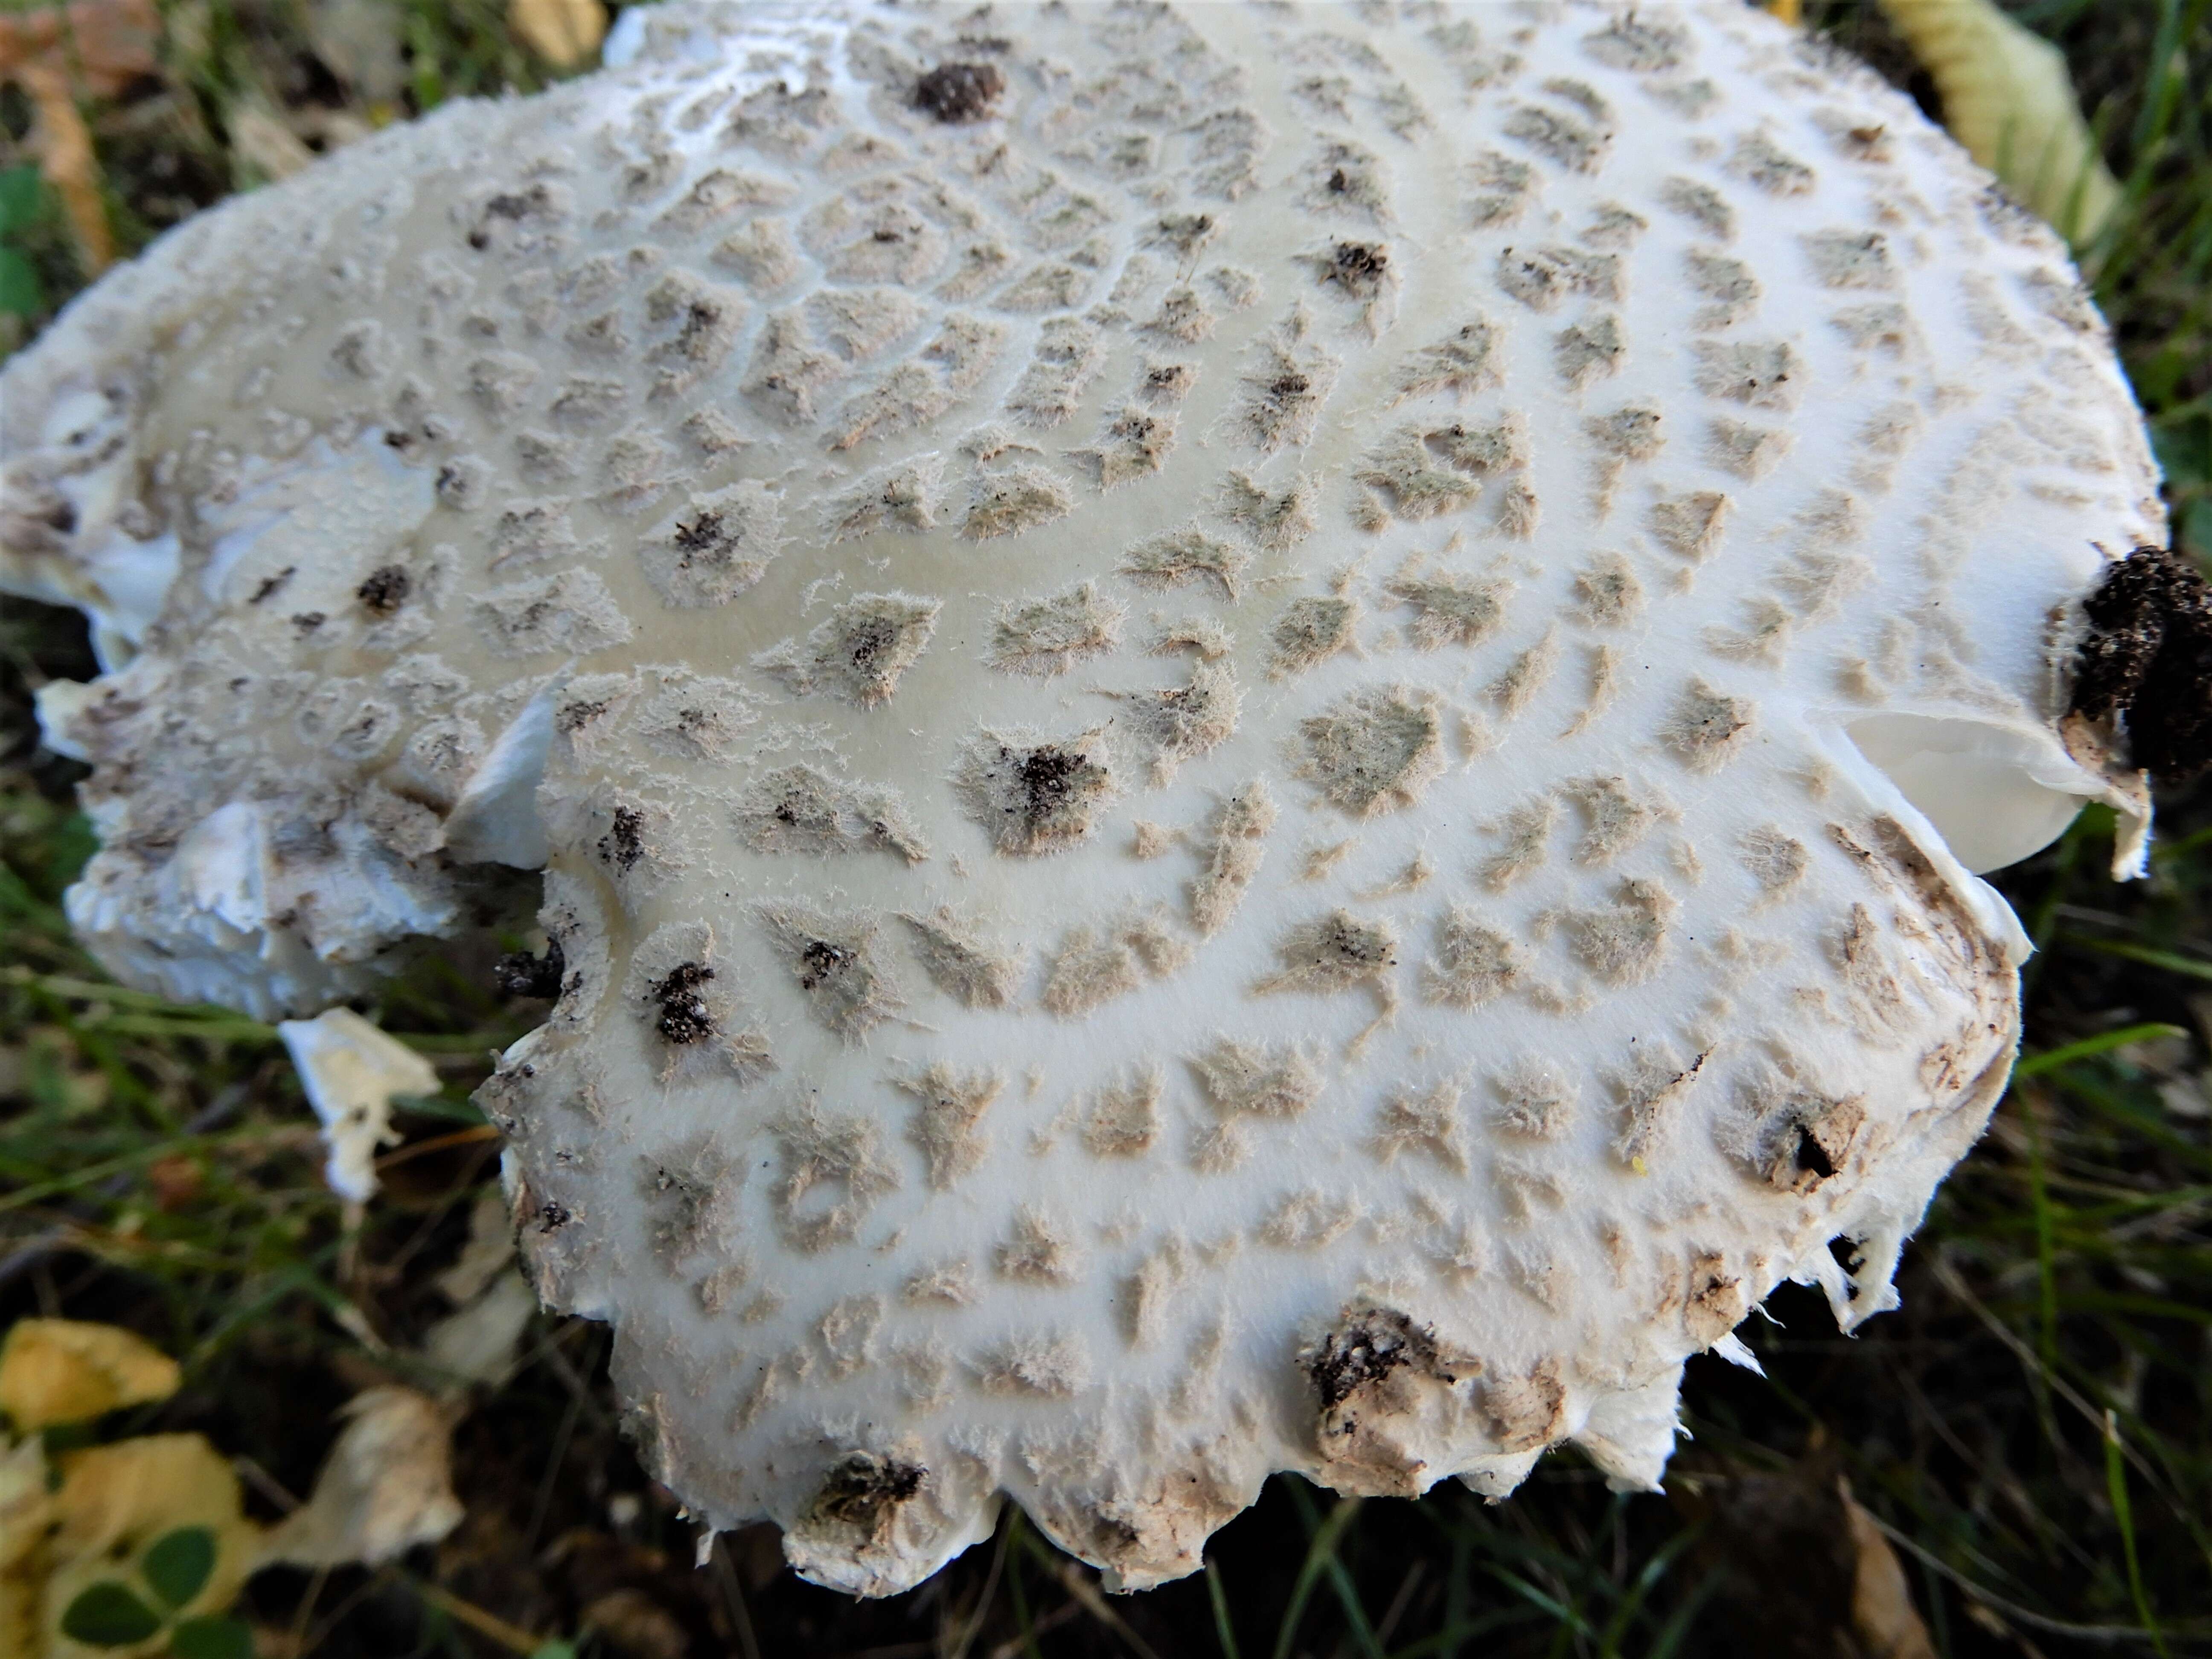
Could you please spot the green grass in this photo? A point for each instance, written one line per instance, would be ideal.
(2032, 1431)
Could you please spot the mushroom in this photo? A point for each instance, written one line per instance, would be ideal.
(1258, 734)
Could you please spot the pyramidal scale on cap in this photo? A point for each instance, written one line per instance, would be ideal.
(1257, 732)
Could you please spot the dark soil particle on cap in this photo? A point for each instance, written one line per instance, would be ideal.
(1045, 776)
(1368, 1346)
(1812, 1156)
(519, 974)
(701, 532)
(869, 640)
(821, 961)
(958, 93)
(685, 1015)
(624, 844)
(384, 591)
(863, 1488)
(1358, 267)
(2148, 660)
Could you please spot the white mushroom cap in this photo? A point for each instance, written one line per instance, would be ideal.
(1262, 729)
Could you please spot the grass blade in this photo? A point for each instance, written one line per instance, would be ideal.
(2103, 1043)
(2046, 1255)
(2149, 955)
(1319, 1554)
(2116, 1483)
(1220, 1596)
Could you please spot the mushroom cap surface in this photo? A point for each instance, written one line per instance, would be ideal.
(1257, 732)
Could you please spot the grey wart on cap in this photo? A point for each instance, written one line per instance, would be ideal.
(1258, 734)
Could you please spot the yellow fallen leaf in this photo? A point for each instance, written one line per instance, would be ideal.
(2008, 98)
(114, 1502)
(385, 1486)
(19, 1614)
(65, 1370)
(26, 1505)
(564, 33)
(62, 144)
(27, 1510)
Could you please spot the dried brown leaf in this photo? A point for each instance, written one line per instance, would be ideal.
(1882, 1614)
(386, 1486)
(103, 45)
(63, 145)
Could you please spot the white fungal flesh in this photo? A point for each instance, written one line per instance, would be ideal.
(352, 1073)
(1228, 784)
